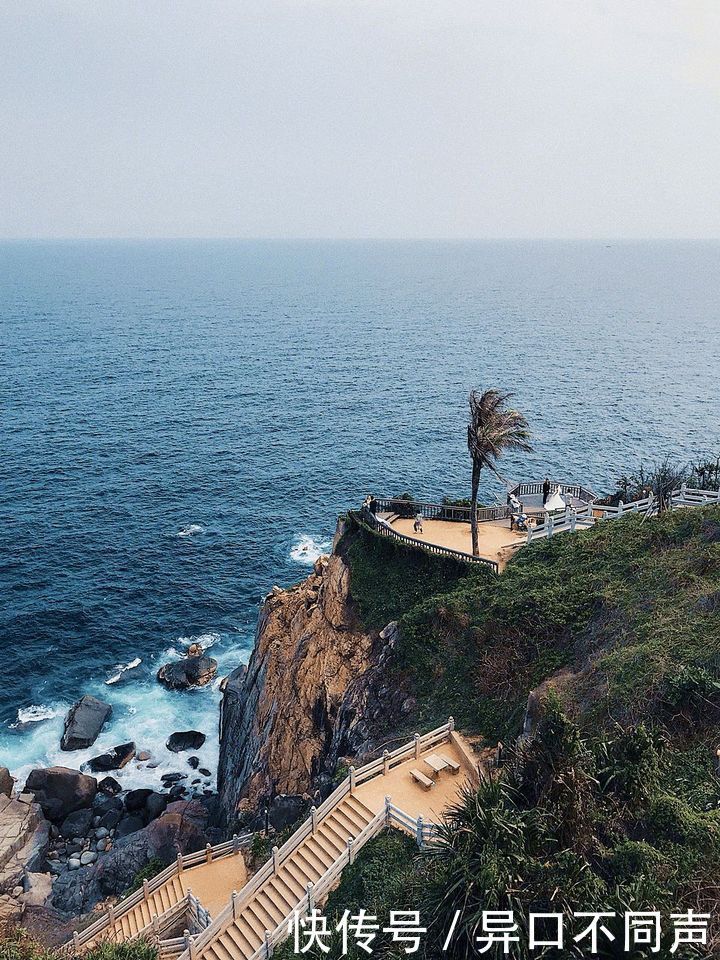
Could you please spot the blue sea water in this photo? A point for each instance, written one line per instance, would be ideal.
(182, 421)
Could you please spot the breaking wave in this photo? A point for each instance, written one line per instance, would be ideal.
(306, 549)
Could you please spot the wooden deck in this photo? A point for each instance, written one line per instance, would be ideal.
(496, 541)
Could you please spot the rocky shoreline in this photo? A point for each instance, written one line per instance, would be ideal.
(312, 697)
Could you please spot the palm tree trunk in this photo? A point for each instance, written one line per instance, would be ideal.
(473, 508)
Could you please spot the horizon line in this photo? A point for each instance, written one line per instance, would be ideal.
(357, 239)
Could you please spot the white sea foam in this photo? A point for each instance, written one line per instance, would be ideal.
(121, 668)
(143, 711)
(191, 530)
(306, 549)
(36, 714)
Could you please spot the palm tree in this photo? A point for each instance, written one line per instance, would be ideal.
(492, 429)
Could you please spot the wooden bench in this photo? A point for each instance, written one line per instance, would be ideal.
(452, 766)
(420, 778)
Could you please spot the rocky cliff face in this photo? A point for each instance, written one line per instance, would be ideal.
(312, 691)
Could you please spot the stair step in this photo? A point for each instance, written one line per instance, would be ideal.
(248, 932)
(245, 947)
(265, 913)
(276, 911)
(221, 950)
(294, 888)
(359, 807)
(257, 925)
(348, 820)
(323, 848)
(309, 866)
(279, 895)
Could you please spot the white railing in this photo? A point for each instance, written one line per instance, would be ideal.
(585, 517)
(382, 527)
(238, 901)
(112, 917)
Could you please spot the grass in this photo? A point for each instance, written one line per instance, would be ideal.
(19, 945)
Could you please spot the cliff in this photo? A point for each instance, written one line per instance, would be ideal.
(310, 693)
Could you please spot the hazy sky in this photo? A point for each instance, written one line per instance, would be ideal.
(360, 118)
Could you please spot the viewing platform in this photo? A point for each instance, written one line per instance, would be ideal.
(445, 527)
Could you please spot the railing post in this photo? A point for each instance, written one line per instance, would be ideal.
(236, 843)
(386, 763)
(234, 899)
(313, 819)
(156, 925)
(550, 525)
(351, 852)
(419, 830)
(388, 812)
(179, 863)
(451, 723)
(621, 507)
(146, 890)
(208, 853)
(111, 916)
(268, 944)
(352, 779)
(310, 897)
(417, 746)
(275, 859)
(76, 940)
(529, 532)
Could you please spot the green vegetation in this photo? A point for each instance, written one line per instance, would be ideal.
(151, 869)
(614, 801)
(19, 945)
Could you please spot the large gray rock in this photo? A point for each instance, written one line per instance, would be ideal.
(84, 722)
(77, 824)
(115, 759)
(6, 782)
(195, 670)
(185, 740)
(61, 791)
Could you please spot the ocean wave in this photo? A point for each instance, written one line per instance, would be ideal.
(306, 549)
(206, 640)
(191, 530)
(36, 714)
(120, 669)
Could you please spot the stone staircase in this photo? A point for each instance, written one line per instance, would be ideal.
(157, 903)
(282, 891)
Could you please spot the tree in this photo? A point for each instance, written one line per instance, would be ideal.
(492, 429)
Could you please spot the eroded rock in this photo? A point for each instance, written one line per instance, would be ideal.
(84, 722)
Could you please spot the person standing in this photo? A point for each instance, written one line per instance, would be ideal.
(546, 490)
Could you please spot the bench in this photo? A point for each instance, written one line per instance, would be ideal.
(420, 778)
(452, 766)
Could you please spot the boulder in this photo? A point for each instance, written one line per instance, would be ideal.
(110, 786)
(84, 722)
(169, 778)
(61, 791)
(38, 889)
(6, 782)
(77, 824)
(116, 759)
(135, 800)
(194, 762)
(111, 819)
(130, 823)
(195, 670)
(185, 740)
(155, 806)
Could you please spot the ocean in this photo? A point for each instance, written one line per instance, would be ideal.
(182, 421)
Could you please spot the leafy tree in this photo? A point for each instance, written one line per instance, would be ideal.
(493, 428)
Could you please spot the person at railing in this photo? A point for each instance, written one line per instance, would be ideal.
(516, 507)
(418, 525)
(545, 490)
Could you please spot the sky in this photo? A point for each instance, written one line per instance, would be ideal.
(360, 118)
